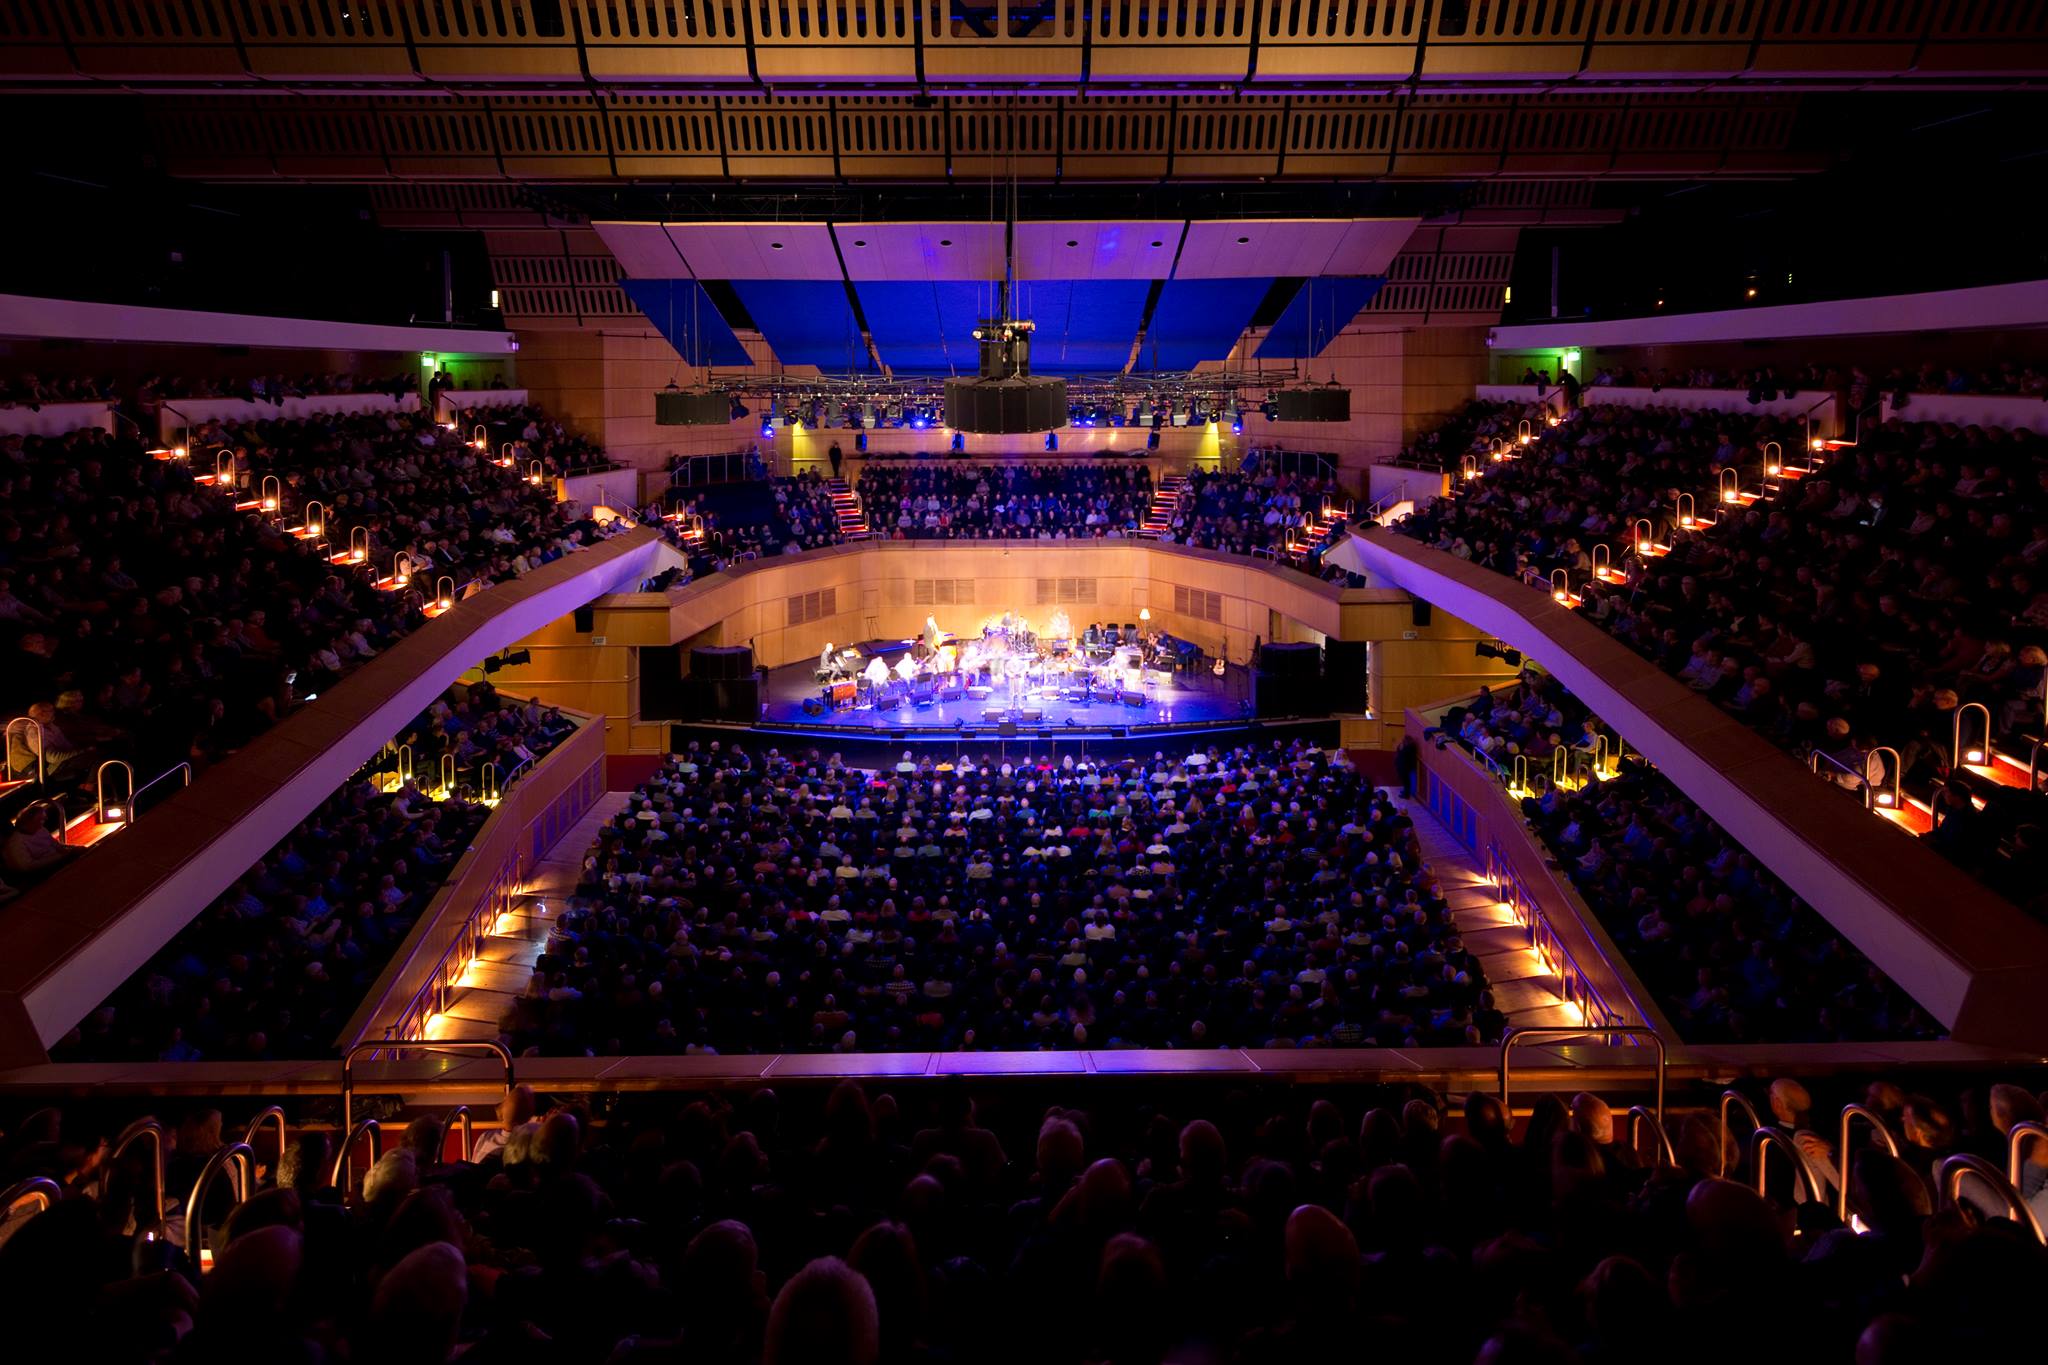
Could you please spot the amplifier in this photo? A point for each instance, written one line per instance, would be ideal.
(1134, 698)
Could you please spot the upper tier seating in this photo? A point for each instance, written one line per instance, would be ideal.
(1728, 951)
(149, 614)
(1131, 1222)
(1260, 896)
(277, 964)
(1844, 606)
(1043, 501)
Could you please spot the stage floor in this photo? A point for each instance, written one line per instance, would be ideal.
(1194, 699)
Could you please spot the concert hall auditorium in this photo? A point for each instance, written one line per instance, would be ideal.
(1021, 682)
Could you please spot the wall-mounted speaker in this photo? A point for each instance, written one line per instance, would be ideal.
(1418, 613)
(586, 620)
(1347, 674)
(1316, 404)
(714, 662)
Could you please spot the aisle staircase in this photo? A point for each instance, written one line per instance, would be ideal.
(1522, 987)
(1329, 514)
(503, 968)
(853, 517)
(1165, 497)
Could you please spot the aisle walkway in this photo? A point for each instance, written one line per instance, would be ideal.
(1521, 989)
(505, 965)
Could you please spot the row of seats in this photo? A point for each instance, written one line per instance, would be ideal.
(1006, 502)
(1883, 605)
(1264, 895)
(1146, 1221)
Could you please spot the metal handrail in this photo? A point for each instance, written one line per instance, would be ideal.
(1508, 1043)
(459, 1112)
(2016, 1145)
(284, 1132)
(1850, 1113)
(1756, 1123)
(1957, 754)
(34, 1187)
(1950, 1180)
(30, 727)
(1862, 780)
(453, 1045)
(369, 1128)
(1760, 1143)
(135, 797)
(132, 1134)
(1635, 1118)
(242, 1173)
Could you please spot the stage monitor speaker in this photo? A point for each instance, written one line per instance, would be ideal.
(1031, 715)
(1418, 613)
(691, 408)
(1134, 698)
(1317, 404)
(1290, 659)
(1006, 407)
(736, 699)
(586, 620)
(1008, 730)
(813, 706)
(663, 692)
(721, 661)
(1347, 674)
(994, 714)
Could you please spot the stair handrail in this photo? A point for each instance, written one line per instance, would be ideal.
(39, 1187)
(1637, 1116)
(1739, 1100)
(368, 1128)
(1950, 1181)
(1760, 1143)
(240, 1163)
(135, 1132)
(459, 1113)
(2016, 1140)
(1515, 1037)
(1850, 1113)
(272, 1115)
(30, 726)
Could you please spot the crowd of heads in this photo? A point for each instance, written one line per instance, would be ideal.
(1730, 954)
(1050, 501)
(32, 391)
(145, 617)
(153, 390)
(1864, 385)
(1258, 510)
(1126, 1224)
(1262, 896)
(1858, 606)
(274, 967)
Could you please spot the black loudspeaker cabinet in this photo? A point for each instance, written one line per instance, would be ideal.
(1313, 405)
(586, 620)
(1347, 674)
(664, 692)
(1290, 659)
(1418, 613)
(1278, 695)
(712, 662)
(736, 699)
(1006, 407)
(1133, 698)
(691, 408)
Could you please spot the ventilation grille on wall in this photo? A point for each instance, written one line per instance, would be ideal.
(813, 606)
(1201, 605)
(1066, 592)
(942, 592)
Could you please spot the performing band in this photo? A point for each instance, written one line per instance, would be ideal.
(1008, 664)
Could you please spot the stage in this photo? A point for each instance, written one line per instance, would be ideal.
(1194, 698)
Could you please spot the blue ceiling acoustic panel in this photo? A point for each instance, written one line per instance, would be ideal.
(1197, 320)
(808, 322)
(1318, 311)
(1083, 326)
(688, 318)
(925, 326)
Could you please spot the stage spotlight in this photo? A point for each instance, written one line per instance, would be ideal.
(1237, 422)
(790, 418)
(492, 663)
(959, 443)
(767, 428)
(739, 410)
(1152, 439)
(1052, 440)
(1269, 409)
(860, 442)
(869, 417)
(514, 658)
